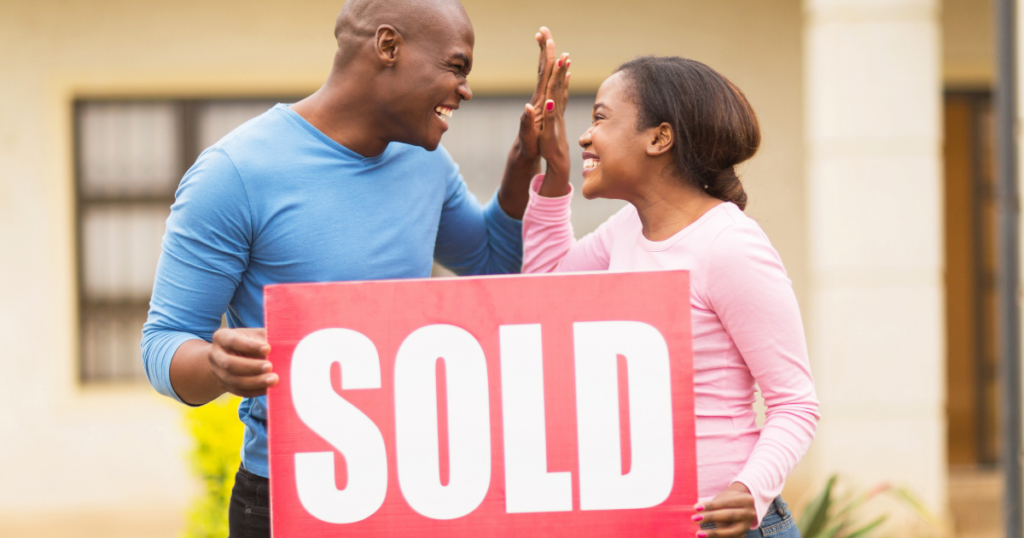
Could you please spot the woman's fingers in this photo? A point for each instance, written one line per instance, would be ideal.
(557, 78)
(548, 113)
(729, 531)
(728, 516)
(561, 96)
(732, 511)
(731, 517)
(549, 117)
(544, 64)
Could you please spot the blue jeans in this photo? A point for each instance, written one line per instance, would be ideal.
(778, 522)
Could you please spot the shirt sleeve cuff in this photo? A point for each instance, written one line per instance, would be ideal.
(547, 209)
(158, 365)
(760, 503)
(495, 214)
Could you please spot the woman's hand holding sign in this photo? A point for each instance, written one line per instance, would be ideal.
(732, 512)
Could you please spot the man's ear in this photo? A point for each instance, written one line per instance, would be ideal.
(661, 140)
(387, 43)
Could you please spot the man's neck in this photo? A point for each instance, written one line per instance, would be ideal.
(340, 109)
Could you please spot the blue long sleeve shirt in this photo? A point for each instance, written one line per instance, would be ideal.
(277, 201)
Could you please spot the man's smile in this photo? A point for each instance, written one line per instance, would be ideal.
(444, 112)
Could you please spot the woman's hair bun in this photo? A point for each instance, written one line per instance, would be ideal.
(726, 185)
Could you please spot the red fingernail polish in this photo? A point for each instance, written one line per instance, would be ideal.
(700, 508)
(702, 535)
(551, 105)
(559, 62)
(698, 517)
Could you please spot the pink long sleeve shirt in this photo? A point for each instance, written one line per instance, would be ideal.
(746, 330)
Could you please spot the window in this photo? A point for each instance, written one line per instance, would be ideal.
(130, 156)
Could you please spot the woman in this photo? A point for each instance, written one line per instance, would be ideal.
(666, 136)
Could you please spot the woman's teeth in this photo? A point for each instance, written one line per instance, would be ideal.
(590, 164)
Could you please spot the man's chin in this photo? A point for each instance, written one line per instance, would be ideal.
(432, 144)
(429, 142)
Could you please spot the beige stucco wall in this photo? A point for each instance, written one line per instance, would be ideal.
(874, 181)
(110, 451)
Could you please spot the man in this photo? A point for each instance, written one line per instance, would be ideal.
(343, 185)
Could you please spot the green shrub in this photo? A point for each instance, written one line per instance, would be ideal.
(833, 515)
(217, 440)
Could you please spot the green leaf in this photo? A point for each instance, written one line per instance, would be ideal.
(918, 506)
(814, 518)
(863, 531)
(833, 531)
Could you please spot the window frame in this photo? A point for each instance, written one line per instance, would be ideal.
(187, 114)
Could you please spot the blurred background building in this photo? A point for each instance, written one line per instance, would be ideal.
(874, 182)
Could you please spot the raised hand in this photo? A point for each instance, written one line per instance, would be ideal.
(554, 146)
(530, 123)
(524, 157)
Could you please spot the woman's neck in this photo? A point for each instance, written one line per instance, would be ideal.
(668, 205)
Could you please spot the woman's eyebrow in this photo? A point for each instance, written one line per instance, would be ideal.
(599, 105)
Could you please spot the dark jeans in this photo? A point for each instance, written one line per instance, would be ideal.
(777, 523)
(249, 514)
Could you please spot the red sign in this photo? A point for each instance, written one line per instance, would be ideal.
(556, 405)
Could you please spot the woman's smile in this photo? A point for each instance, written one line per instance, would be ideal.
(590, 162)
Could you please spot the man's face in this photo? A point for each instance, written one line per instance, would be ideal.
(430, 81)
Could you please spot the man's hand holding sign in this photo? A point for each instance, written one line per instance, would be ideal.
(548, 406)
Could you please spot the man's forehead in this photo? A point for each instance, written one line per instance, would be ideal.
(452, 33)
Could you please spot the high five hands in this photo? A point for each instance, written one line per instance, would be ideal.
(542, 125)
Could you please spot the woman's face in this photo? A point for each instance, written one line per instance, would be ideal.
(614, 151)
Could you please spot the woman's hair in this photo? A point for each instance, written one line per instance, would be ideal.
(715, 127)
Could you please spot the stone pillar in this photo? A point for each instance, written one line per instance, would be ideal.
(875, 238)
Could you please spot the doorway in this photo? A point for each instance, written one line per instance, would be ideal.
(971, 257)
